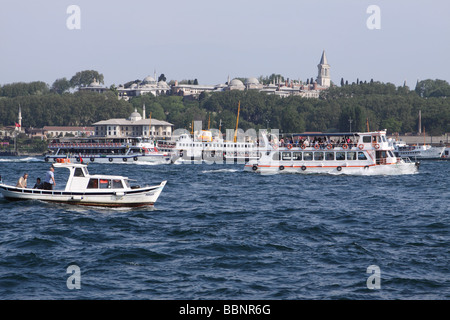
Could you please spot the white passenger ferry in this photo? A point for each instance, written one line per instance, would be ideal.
(106, 150)
(419, 152)
(204, 146)
(337, 153)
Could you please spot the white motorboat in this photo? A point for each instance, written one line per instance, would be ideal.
(364, 153)
(90, 190)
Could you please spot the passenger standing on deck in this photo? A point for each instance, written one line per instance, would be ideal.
(49, 181)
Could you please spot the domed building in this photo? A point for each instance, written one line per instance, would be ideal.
(235, 84)
(94, 86)
(253, 83)
(146, 86)
(148, 80)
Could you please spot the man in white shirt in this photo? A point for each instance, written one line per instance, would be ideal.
(49, 181)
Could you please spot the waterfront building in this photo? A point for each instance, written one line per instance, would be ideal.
(134, 126)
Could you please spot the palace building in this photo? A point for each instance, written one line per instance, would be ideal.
(134, 126)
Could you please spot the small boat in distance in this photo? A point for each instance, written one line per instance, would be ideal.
(89, 190)
(419, 152)
(363, 153)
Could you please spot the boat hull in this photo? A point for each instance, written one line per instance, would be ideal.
(391, 169)
(146, 196)
(155, 159)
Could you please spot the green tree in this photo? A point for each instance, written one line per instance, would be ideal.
(60, 86)
(85, 78)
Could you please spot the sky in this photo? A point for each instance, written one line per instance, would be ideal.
(212, 40)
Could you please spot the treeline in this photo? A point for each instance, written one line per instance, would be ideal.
(338, 109)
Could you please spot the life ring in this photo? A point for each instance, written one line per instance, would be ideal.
(78, 159)
(110, 159)
(361, 146)
(92, 159)
(316, 146)
(124, 159)
(303, 168)
(339, 168)
(345, 146)
(329, 146)
(289, 146)
(135, 158)
(275, 146)
(255, 167)
(303, 147)
(281, 168)
(377, 146)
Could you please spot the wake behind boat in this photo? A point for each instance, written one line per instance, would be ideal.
(90, 190)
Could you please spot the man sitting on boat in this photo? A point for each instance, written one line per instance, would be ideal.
(38, 184)
(22, 183)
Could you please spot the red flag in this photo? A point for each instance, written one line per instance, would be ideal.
(17, 125)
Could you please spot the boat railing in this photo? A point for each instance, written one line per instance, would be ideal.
(85, 145)
(322, 146)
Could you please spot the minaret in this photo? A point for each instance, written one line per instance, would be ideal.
(323, 79)
(143, 111)
(20, 119)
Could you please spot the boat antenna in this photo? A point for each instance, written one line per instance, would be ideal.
(192, 127)
(209, 120)
(237, 122)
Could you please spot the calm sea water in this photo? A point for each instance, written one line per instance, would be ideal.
(217, 232)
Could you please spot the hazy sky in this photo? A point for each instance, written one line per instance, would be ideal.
(211, 40)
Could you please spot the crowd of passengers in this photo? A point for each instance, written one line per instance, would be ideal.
(321, 142)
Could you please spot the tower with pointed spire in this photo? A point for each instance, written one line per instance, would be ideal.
(19, 118)
(323, 79)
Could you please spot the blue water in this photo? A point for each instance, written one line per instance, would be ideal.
(217, 232)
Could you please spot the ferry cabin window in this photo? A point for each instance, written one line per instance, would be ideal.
(297, 156)
(351, 155)
(117, 184)
(318, 156)
(340, 155)
(286, 156)
(78, 172)
(93, 184)
(307, 156)
(391, 154)
(329, 155)
(105, 183)
(367, 139)
(361, 156)
(276, 156)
